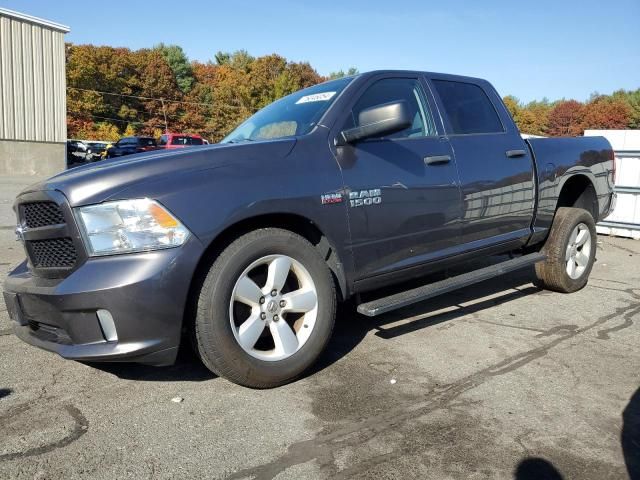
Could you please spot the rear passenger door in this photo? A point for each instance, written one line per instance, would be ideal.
(494, 164)
(402, 210)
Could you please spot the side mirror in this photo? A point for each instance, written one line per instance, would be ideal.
(381, 119)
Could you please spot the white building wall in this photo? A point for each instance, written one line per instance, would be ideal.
(624, 221)
(32, 94)
(32, 82)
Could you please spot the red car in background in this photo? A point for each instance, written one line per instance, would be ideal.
(180, 140)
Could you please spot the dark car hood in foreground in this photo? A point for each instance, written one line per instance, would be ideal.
(97, 182)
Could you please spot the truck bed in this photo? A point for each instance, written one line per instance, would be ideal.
(558, 160)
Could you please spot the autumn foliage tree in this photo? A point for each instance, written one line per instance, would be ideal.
(151, 90)
(570, 117)
(117, 91)
(565, 119)
(606, 113)
(632, 99)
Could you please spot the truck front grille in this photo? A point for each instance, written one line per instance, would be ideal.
(42, 214)
(49, 233)
(52, 253)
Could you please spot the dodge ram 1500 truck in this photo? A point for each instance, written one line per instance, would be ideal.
(342, 188)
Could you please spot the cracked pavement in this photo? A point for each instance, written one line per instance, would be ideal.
(499, 381)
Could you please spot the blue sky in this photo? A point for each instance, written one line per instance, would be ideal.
(561, 48)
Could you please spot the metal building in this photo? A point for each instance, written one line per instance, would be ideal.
(33, 127)
(624, 221)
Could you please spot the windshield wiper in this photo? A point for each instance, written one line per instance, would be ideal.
(241, 140)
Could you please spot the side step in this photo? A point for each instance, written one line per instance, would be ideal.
(402, 299)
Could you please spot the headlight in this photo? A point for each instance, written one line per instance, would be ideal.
(127, 226)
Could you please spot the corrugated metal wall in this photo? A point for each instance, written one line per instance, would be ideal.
(32, 82)
(624, 221)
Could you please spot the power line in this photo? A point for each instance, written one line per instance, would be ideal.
(83, 114)
(155, 99)
(143, 116)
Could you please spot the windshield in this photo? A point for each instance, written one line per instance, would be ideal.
(295, 114)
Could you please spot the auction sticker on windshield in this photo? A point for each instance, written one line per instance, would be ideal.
(316, 97)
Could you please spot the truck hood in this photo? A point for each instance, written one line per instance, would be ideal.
(97, 182)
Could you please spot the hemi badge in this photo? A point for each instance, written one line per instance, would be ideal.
(331, 198)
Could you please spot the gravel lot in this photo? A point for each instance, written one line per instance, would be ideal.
(499, 380)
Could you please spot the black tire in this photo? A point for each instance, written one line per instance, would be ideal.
(552, 273)
(214, 337)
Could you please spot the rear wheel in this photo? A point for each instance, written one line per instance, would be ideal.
(570, 250)
(266, 309)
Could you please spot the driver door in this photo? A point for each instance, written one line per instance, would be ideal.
(403, 190)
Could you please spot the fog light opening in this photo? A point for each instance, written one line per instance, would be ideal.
(107, 325)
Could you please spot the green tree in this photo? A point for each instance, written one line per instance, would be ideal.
(341, 73)
(631, 98)
(222, 58)
(241, 60)
(179, 64)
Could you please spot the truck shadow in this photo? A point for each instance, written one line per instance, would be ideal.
(535, 468)
(630, 437)
(351, 327)
(188, 368)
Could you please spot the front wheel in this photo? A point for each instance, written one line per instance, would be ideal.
(266, 309)
(570, 250)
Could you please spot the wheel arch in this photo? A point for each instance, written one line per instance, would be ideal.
(578, 191)
(293, 222)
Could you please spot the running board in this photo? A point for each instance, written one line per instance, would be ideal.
(402, 299)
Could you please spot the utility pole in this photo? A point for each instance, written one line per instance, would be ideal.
(164, 112)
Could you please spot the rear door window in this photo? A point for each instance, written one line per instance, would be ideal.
(468, 108)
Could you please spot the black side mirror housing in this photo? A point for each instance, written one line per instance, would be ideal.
(382, 119)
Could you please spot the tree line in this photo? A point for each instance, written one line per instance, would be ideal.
(620, 110)
(113, 92)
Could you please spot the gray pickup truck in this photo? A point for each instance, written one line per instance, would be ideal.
(245, 247)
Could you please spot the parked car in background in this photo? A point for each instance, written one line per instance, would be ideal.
(76, 152)
(95, 150)
(129, 145)
(179, 140)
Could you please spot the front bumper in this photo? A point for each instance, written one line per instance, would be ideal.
(145, 295)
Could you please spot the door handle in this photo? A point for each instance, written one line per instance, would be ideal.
(515, 153)
(436, 159)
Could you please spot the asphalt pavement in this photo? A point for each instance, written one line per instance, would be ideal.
(496, 381)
